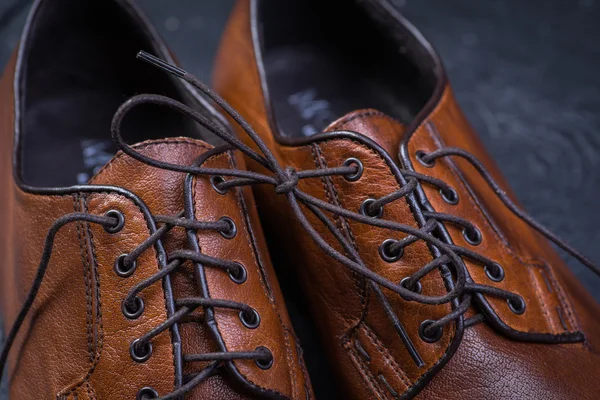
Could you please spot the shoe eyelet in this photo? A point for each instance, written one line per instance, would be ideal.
(417, 289)
(386, 254)
(450, 196)
(147, 393)
(494, 272)
(118, 215)
(135, 313)
(240, 275)
(122, 270)
(140, 355)
(265, 364)
(215, 181)
(364, 209)
(472, 236)
(232, 228)
(355, 176)
(250, 319)
(519, 307)
(420, 155)
(437, 335)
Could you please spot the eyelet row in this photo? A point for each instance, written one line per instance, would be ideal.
(250, 320)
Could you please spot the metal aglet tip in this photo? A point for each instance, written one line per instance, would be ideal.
(157, 62)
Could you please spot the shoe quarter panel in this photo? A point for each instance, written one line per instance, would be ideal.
(528, 261)
(368, 341)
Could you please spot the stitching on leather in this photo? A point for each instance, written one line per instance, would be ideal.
(487, 219)
(320, 163)
(453, 332)
(386, 354)
(90, 392)
(536, 287)
(562, 320)
(563, 299)
(87, 280)
(344, 226)
(98, 351)
(99, 315)
(365, 371)
(535, 262)
(146, 144)
(291, 369)
(546, 281)
(265, 291)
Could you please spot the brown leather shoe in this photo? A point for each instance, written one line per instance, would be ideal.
(154, 281)
(438, 284)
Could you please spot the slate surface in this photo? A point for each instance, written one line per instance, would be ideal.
(525, 72)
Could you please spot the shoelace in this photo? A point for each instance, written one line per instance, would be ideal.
(285, 182)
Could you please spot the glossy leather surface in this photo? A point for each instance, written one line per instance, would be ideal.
(509, 355)
(75, 343)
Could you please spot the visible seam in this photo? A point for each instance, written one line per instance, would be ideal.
(87, 278)
(90, 392)
(98, 350)
(382, 350)
(262, 283)
(452, 336)
(365, 372)
(564, 300)
(433, 134)
(538, 293)
(333, 198)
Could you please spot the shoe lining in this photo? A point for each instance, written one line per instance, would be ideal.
(80, 67)
(322, 61)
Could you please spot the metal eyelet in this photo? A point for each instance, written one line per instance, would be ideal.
(122, 270)
(519, 307)
(118, 215)
(437, 335)
(450, 196)
(147, 393)
(232, 228)
(265, 364)
(472, 236)
(240, 274)
(495, 272)
(419, 155)
(356, 176)
(138, 354)
(250, 319)
(215, 181)
(386, 253)
(417, 289)
(136, 312)
(364, 209)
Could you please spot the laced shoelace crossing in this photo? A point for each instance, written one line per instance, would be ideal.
(285, 182)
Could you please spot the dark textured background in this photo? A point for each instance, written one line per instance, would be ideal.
(525, 72)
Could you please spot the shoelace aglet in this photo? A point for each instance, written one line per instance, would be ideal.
(159, 63)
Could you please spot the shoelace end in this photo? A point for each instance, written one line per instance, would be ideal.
(159, 63)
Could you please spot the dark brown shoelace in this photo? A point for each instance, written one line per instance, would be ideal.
(285, 181)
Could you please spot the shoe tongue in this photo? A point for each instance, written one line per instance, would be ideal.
(386, 131)
(160, 189)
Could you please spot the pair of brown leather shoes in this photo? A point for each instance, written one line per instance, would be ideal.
(145, 274)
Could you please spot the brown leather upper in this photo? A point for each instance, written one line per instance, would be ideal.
(517, 356)
(75, 342)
